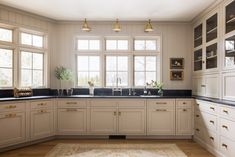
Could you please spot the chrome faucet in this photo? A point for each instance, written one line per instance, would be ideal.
(117, 88)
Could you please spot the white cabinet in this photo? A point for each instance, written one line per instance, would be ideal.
(184, 118)
(161, 117)
(199, 86)
(103, 121)
(13, 128)
(41, 119)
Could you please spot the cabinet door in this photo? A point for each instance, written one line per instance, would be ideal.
(42, 123)
(72, 121)
(131, 121)
(199, 86)
(103, 121)
(161, 121)
(212, 86)
(12, 128)
(184, 121)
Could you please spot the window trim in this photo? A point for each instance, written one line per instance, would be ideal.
(87, 38)
(158, 42)
(118, 38)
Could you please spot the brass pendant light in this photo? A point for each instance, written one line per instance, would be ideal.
(85, 26)
(116, 26)
(148, 27)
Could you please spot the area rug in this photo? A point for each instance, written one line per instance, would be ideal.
(116, 150)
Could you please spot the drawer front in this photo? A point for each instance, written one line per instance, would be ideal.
(198, 117)
(71, 103)
(8, 107)
(41, 104)
(103, 103)
(210, 121)
(227, 112)
(227, 147)
(163, 103)
(184, 103)
(227, 128)
(206, 107)
(199, 132)
(131, 103)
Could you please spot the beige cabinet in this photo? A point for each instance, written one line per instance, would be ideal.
(161, 117)
(71, 121)
(13, 128)
(184, 118)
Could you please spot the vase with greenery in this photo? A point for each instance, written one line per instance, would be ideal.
(63, 74)
(158, 85)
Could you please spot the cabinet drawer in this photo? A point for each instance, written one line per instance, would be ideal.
(198, 117)
(131, 103)
(163, 103)
(71, 103)
(8, 107)
(211, 139)
(41, 104)
(104, 103)
(199, 132)
(210, 121)
(184, 103)
(227, 147)
(227, 128)
(227, 112)
(206, 107)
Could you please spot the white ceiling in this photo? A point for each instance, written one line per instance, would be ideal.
(107, 10)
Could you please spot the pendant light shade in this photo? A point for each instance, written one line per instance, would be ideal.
(116, 26)
(148, 27)
(85, 26)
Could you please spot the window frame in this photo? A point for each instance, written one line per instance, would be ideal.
(145, 38)
(117, 38)
(87, 38)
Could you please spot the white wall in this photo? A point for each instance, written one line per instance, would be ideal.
(176, 42)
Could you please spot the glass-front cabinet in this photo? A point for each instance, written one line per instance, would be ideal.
(198, 36)
(198, 60)
(230, 51)
(211, 28)
(230, 17)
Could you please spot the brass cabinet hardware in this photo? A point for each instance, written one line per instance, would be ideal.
(225, 145)
(42, 104)
(212, 138)
(10, 115)
(119, 113)
(212, 108)
(198, 104)
(197, 115)
(161, 110)
(197, 129)
(225, 111)
(11, 106)
(211, 121)
(184, 110)
(71, 103)
(42, 111)
(224, 126)
(71, 109)
(114, 113)
(184, 103)
(203, 85)
(161, 103)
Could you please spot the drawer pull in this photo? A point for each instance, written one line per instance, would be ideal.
(10, 115)
(212, 108)
(42, 104)
(225, 111)
(197, 104)
(42, 111)
(114, 113)
(184, 110)
(212, 138)
(119, 113)
(224, 126)
(211, 121)
(184, 103)
(161, 103)
(197, 115)
(161, 110)
(203, 85)
(11, 106)
(71, 103)
(71, 110)
(197, 130)
(225, 145)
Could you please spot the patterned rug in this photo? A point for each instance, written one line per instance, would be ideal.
(116, 150)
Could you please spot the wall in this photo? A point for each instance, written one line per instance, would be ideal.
(176, 42)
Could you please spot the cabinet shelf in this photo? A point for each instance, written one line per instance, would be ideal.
(198, 38)
(230, 51)
(212, 30)
(231, 20)
(211, 57)
(199, 60)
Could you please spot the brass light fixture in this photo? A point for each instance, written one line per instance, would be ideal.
(148, 27)
(85, 26)
(116, 26)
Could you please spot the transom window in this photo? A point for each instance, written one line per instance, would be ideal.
(31, 69)
(145, 69)
(145, 45)
(116, 44)
(5, 35)
(116, 71)
(6, 68)
(88, 44)
(88, 69)
(32, 40)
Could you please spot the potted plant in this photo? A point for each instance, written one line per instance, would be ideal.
(158, 85)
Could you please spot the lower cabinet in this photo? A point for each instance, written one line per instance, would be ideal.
(13, 128)
(42, 123)
(71, 121)
(160, 117)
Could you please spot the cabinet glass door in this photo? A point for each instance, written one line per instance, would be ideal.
(230, 51)
(211, 56)
(211, 28)
(230, 17)
(198, 36)
(198, 60)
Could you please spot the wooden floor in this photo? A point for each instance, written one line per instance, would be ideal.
(190, 148)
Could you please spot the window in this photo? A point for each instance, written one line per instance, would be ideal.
(32, 70)
(6, 68)
(144, 69)
(145, 45)
(116, 44)
(5, 35)
(88, 69)
(31, 40)
(116, 69)
(88, 44)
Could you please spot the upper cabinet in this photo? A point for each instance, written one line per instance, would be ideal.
(230, 17)
(198, 36)
(211, 28)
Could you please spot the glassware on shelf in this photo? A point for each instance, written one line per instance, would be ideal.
(211, 56)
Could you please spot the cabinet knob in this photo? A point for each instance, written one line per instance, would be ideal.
(184, 110)
(211, 121)
(212, 138)
(225, 145)
(197, 130)
(197, 115)
(224, 126)
(225, 111)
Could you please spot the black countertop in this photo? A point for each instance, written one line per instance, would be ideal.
(215, 100)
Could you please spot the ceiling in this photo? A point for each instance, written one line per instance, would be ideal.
(107, 10)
